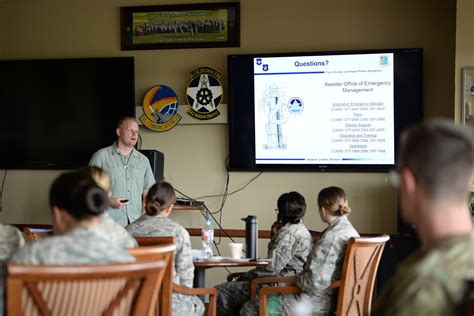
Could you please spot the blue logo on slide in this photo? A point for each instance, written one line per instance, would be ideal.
(265, 67)
(259, 61)
(383, 61)
(295, 106)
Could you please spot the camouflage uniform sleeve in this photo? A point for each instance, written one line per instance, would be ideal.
(27, 255)
(283, 251)
(184, 260)
(323, 263)
(429, 299)
(11, 238)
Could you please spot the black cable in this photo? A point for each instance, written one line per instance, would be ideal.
(4, 177)
(139, 142)
(224, 199)
(233, 192)
(3, 186)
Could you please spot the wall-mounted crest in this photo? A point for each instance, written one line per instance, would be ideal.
(160, 108)
(204, 93)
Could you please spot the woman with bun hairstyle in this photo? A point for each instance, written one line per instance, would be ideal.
(288, 248)
(116, 233)
(324, 264)
(76, 203)
(159, 203)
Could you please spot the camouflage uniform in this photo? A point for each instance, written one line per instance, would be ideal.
(81, 245)
(183, 273)
(431, 282)
(117, 234)
(10, 240)
(323, 267)
(288, 249)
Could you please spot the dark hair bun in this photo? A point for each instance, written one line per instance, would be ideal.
(96, 200)
(78, 195)
(153, 207)
(160, 196)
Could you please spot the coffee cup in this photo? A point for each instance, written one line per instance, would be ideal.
(235, 250)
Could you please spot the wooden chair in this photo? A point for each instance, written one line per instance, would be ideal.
(105, 289)
(212, 292)
(33, 234)
(165, 252)
(357, 278)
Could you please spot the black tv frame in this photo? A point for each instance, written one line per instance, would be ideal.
(21, 147)
(408, 107)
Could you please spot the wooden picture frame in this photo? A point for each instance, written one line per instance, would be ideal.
(197, 25)
(467, 96)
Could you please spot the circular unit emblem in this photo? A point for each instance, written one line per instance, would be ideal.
(160, 108)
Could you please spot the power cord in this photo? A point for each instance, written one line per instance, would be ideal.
(221, 208)
(1, 190)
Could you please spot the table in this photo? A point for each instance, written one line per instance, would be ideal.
(201, 265)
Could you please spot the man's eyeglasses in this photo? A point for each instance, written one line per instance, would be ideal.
(131, 131)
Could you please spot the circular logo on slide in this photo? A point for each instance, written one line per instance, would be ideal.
(160, 108)
(295, 106)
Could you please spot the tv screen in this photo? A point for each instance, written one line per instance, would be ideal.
(323, 111)
(57, 113)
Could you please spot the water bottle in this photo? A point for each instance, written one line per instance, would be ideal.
(207, 236)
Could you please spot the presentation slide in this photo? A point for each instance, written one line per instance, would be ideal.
(334, 109)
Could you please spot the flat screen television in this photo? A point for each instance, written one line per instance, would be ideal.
(322, 111)
(55, 113)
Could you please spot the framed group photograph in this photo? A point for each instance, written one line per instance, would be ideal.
(180, 26)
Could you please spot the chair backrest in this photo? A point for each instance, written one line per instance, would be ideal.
(156, 248)
(154, 241)
(36, 233)
(105, 289)
(358, 275)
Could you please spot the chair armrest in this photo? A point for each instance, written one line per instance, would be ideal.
(255, 282)
(335, 284)
(212, 292)
(293, 289)
(233, 275)
(194, 291)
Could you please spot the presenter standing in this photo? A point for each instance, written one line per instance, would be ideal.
(129, 171)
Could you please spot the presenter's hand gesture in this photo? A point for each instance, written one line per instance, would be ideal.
(118, 202)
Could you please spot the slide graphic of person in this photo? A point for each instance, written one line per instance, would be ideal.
(273, 105)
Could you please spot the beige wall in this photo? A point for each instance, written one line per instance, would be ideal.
(86, 28)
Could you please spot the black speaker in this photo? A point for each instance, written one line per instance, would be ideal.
(157, 162)
(397, 249)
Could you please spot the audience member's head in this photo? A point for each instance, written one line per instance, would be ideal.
(439, 154)
(435, 164)
(291, 207)
(75, 197)
(332, 202)
(99, 175)
(160, 197)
